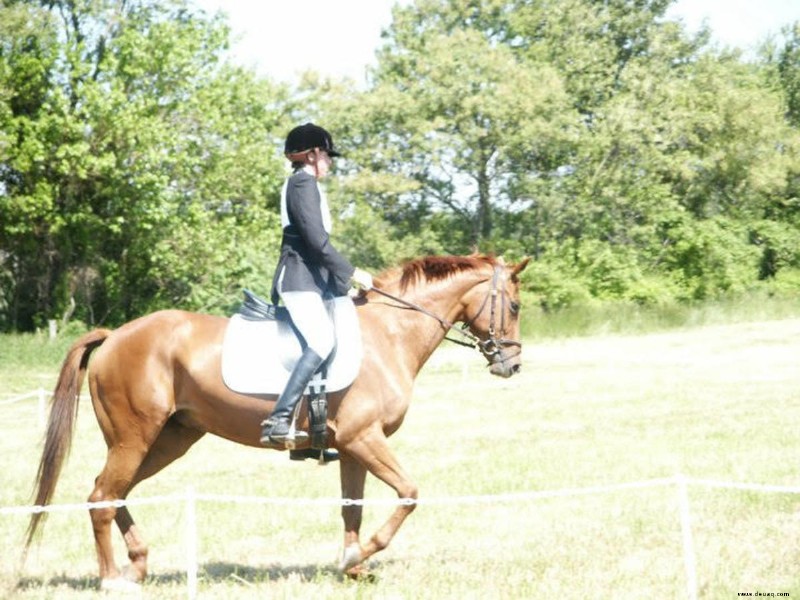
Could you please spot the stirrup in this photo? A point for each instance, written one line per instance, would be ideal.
(288, 440)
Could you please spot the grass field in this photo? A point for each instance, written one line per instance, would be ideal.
(717, 402)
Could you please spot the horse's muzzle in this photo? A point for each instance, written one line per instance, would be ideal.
(502, 369)
(505, 366)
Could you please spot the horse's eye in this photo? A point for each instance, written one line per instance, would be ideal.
(514, 306)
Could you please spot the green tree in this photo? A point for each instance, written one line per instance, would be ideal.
(132, 151)
(28, 54)
(597, 136)
(788, 63)
(465, 118)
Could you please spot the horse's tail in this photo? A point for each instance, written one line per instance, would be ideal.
(61, 424)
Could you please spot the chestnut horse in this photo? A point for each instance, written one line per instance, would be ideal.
(156, 389)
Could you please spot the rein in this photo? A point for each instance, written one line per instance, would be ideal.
(474, 340)
(490, 347)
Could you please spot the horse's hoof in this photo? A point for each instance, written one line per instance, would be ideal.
(120, 585)
(133, 574)
(350, 558)
(360, 573)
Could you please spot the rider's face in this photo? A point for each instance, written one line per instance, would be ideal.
(324, 164)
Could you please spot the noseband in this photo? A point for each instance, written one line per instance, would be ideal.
(492, 347)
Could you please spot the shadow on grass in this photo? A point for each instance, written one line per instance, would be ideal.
(85, 582)
(213, 572)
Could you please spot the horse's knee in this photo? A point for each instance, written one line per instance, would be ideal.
(99, 495)
(409, 495)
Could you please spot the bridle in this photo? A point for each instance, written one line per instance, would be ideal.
(492, 347)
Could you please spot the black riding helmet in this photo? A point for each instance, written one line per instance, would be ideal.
(307, 137)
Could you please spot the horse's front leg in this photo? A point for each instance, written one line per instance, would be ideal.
(352, 475)
(373, 452)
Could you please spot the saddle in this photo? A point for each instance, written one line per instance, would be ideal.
(261, 347)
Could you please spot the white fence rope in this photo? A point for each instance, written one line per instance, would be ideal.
(190, 500)
(35, 394)
(285, 501)
(678, 480)
(41, 396)
(41, 410)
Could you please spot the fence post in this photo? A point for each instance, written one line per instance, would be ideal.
(191, 543)
(686, 531)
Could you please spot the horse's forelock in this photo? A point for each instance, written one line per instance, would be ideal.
(435, 268)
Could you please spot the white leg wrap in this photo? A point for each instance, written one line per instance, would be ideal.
(350, 557)
(120, 585)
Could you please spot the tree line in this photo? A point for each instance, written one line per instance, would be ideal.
(140, 168)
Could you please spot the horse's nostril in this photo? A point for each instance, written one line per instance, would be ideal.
(515, 369)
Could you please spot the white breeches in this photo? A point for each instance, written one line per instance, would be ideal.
(311, 318)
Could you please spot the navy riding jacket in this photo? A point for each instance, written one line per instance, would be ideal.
(308, 261)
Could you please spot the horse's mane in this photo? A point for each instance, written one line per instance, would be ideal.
(435, 268)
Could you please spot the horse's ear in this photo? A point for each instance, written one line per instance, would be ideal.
(520, 267)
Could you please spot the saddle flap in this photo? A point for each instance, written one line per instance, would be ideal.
(255, 308)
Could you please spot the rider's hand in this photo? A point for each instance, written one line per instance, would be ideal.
(362, 279)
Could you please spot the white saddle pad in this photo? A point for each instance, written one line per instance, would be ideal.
(258, 356)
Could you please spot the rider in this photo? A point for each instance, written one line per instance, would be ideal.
(309, 269)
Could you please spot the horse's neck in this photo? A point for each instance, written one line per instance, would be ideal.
(419, 334)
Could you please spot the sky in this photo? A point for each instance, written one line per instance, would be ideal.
(338, 38)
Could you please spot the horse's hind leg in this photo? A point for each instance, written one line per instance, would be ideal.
(112, 484)
(172, 442)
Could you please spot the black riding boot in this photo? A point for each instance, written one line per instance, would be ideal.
(276, 428)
